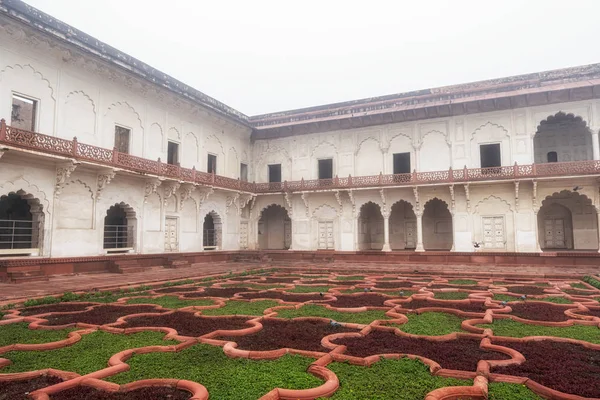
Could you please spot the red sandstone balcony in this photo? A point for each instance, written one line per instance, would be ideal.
(19, 138)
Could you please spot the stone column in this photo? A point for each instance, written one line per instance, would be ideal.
(453, 232)
(420, 232)
(595, 145)
(598, 227)
(536, 229)
(356, 233)
(386, 233)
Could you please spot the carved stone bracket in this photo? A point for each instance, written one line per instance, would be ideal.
(186, 192)
(352, 201)
(104, 178)
(453, 205)
(288, 201)
(304, 197)
(231, 201)
(170, 188)
(517, 195)
(205, 192)
(252, 204)
(467, 194)
(536, 208)
(338, 198)
(151, 185)
(63, 172)
(243, 200)
(417, 203)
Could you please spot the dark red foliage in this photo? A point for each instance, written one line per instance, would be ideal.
(276, 279)
(566, 367)
(278, 334)
(466, 287)
(186, 324)
(296, 298)
(17, 390)
(360, 300)
(176, 289)
(539, 311)
(59, 307)
(218, 292)
(477, 307)
(100, 315)
(593, 312)
(576, 292)
(526, 289)
(153, 393)
(319, 282)
(461, 354)
(396, 285)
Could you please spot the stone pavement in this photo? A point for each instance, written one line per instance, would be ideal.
(70, 283)
(59, 284)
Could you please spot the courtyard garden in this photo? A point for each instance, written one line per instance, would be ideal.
(293, 334)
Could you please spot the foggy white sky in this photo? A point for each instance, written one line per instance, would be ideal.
(263, 56)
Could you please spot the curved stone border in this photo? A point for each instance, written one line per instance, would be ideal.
(197, 390)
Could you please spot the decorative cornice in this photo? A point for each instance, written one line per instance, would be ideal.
(103, 179)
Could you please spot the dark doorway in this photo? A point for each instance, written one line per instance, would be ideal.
(326, 168)
(211, 168)
(122, 139)
(16, 223)
(402, 163)
(274, 173)
(244, 172)
(490, 155)
(209, 233)
(116, 230)
(552, 156)
(173, 153)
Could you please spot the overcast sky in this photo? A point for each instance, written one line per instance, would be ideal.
(265, 56)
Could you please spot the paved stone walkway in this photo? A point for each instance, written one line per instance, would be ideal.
(71, 283)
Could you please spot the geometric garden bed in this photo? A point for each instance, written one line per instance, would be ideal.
(293, 335)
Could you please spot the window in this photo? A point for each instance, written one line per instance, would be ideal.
(244, 172)
(490, 155)
(274, 173)
(122, 139)
(212, 164)
(552, 156)
(402, 163)
(173, 153)
(326, 168)
(23, 115)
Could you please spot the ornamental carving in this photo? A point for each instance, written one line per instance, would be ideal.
(170, 188)
(186, 192)
(205, 192)
(288, 201)
(304, 197)
(150, 187)
(63, 172)
(243, 200)
(103, 180)
(468, 196)
(231, 201)
(338, 198)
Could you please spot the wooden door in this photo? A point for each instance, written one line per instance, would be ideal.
(326, 241)
(493, 233)
(554, 233)
(171, 236)
(243, 235)
(410, 235)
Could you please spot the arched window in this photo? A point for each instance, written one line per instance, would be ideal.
(118, 228)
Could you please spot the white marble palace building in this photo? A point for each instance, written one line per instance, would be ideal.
(100, 153)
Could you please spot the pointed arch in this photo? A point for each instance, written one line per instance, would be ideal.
(370, 227)
(562, 137)
(490, 198)
(120, 225)
(490, 125)
(274, 228)
(27, 68)
(403, 226)
(21, 222)
(212, 231)
(437, 225)
(125, 105)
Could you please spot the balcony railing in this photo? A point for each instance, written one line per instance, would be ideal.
(79, 151)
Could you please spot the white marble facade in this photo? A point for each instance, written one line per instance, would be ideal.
(70, 202)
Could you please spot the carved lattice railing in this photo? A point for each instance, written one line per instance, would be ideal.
(72, 148)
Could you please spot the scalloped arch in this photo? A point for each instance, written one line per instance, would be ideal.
(85, 185)
(492, 197)
(409, 202)
(215, 138)
(25, 67)
(365, 140)
(376, 204)
(215, 216)
(491, 124)
(32, 191)
(322, 144)
(126, 105)
(433, 199)
(401, 134)
(129, 210)
(82, 94)
(205, 208)
(562, 115)
(435, 131)
(325, 206)
(273, 205)
(574, 195)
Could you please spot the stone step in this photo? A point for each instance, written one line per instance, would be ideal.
(23, 268)
(29, 278)
(178, 264)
